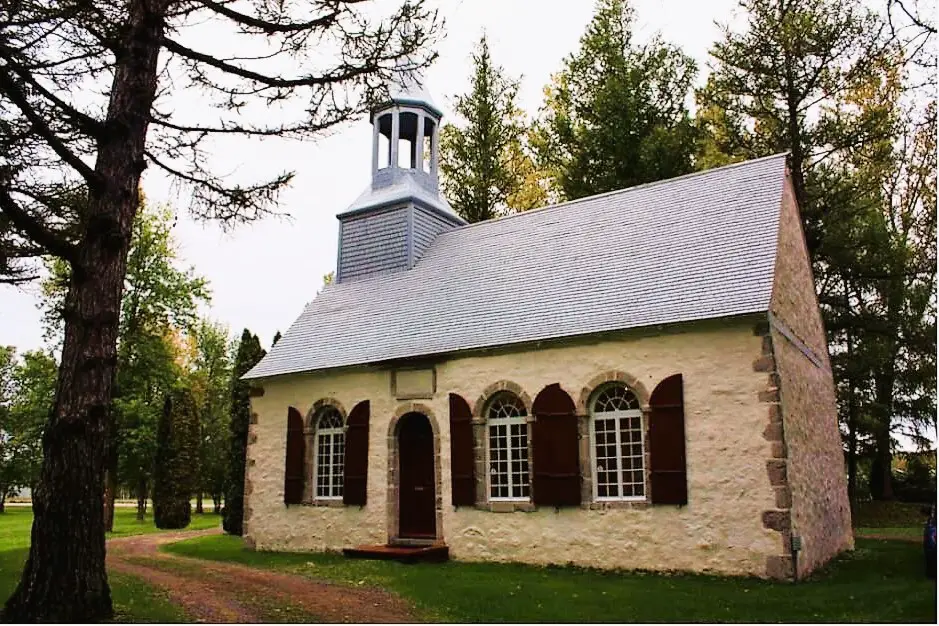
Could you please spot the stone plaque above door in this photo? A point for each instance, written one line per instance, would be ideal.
(410, 384)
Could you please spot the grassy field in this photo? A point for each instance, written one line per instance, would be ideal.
(890, 515)
(134, 601)
(881, 581)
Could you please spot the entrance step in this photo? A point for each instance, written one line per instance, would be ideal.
(437, 553)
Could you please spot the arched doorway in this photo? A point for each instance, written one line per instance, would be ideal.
(417, 497)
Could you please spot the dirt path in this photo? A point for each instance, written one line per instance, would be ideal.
(210, 591)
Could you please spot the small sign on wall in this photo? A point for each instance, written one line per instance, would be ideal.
(411, 384)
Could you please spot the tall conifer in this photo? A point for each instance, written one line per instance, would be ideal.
(486, 169)
(248, 355)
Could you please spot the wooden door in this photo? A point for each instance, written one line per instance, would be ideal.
(416, 492)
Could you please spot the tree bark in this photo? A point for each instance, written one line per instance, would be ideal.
(65, 579)
(199, 503)
(216, 503)
(141, 499)
(852, 413)
(110, 494)
(3, 503)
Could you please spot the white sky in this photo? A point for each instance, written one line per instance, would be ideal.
(263, 274)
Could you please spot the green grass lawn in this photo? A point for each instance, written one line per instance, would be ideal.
(881, 581)
(134, 600)
(890, 532)
(890, 515)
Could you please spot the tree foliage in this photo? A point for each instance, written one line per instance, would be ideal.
(616, 115)
(486, 168)
(175, 476)
(27, 384)
(829, 82)
(248, 354)
(210, 377)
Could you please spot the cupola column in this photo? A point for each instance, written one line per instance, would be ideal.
(433, 151)
(418, 162)
(375, 144)
(395, 137)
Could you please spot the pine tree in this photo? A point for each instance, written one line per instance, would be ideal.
(823, 80)
(249, 353)
(175, 463)
(486, 169)
(616, 114)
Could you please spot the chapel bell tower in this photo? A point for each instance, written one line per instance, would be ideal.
(398, 216)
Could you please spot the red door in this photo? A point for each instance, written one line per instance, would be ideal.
(416, 493)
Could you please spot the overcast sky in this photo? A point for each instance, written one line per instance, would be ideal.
(263, 274)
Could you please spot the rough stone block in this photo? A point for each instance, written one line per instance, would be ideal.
(768, 395)
(765, 363)
(777, 520)
(779, 567)
(783, 498)
(775, 413)
(777, 473)
(773, 431)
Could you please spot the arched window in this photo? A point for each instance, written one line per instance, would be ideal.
(617, 440)
(508, 448)
(330, 451)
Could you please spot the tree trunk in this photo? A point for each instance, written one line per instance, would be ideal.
(141, 499)
(3, 503)
(852, 412)
(110, 494)
(199, 503)
(217, 503)
(65, 579)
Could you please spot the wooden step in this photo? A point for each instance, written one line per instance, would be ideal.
(437, 553)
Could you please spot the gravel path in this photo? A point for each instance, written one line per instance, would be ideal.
(212, 591)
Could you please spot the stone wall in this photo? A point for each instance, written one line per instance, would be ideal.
(807, 468)
(720, 530)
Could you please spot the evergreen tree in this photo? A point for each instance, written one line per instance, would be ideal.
(616, 114)
(824, 80)
(486, 169)
(174, 479)
(249, 353)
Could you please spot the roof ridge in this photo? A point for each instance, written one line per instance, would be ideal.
(617, 191)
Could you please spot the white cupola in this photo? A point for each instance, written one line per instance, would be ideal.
(390, 225)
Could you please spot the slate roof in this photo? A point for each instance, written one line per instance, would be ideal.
(695, 247)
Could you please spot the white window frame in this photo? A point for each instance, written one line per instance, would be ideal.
(333, 433)
(616, 416)
(508, 422)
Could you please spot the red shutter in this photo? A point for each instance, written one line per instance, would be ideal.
(354, 485)
(294, 464)
(668, 476)
(462, 458)
(555, 449)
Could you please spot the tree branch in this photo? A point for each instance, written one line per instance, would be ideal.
(23, 221)
(18, 98)
(271, 28)
(269, 81)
